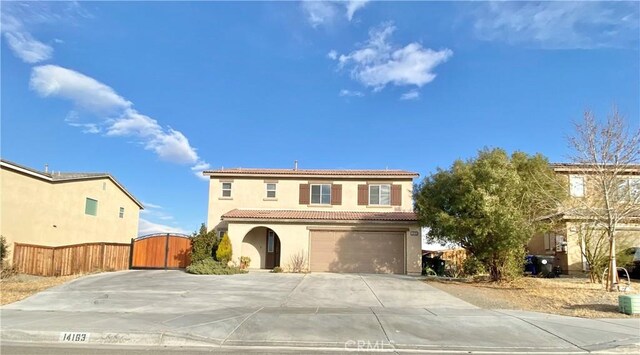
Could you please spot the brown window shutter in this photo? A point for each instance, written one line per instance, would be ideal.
(304, 194)
(396, 195)
(336, 194)
(363, 195)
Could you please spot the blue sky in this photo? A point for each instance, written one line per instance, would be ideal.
(155, 92)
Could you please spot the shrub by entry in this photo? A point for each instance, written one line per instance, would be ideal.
(203, 244)
(224, 252)
(212, 267)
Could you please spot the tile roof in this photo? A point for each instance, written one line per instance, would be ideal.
(321, 215)
(310, 172)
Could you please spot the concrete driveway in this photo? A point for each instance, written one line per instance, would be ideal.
(328, 311)
(177, 292)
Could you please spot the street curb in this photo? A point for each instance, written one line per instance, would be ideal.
(107, 338)
(132, 339)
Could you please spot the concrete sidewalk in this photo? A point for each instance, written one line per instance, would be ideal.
(438, 329)
(301, 313)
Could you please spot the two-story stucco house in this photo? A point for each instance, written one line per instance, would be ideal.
(337, 220)
(55, 209)
(573, 219)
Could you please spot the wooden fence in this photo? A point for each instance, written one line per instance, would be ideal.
(454, 257)
(70, 259)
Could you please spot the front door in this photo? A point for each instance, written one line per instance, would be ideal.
(273, 250)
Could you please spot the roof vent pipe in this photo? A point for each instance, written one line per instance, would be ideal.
(46, 168)
(295, 165)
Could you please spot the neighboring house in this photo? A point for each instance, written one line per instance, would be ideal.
(55, 209)
(336, 220)
(574, 221)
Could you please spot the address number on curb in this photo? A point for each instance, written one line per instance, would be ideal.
(73, 337)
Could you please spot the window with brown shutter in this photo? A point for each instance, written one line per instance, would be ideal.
(304, 194)
(336, 194)
(363, 195)
(396, 195)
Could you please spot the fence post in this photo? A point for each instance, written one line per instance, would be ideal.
(131, 254)
(53, 264)
(166, 252)
(102, 257)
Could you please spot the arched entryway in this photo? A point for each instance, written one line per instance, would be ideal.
(262, 245)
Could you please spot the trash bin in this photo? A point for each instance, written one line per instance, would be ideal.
(530, 264)
(545, 265)
(436, 264)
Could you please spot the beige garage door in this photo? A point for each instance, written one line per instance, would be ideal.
(356, 251)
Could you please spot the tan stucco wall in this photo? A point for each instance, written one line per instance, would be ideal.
(628, 235)
(39, 212)
(248, 239)
(250, 193)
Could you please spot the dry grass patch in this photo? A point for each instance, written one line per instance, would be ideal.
(18, 287)
(575, 297)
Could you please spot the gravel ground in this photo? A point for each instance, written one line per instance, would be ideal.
(17, 287)
(565, 296)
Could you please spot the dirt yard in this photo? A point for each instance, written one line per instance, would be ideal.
(575, 297)
(17, 287)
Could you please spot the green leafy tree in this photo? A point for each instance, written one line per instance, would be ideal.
(203, 244)
(224, 252)
(489, 205)
(4, 249)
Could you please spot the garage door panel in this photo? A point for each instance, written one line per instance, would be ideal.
(356, 251)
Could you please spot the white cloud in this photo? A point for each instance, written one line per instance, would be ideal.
(85, 92)
(27, 48)
(332, 54)
(151, 205)
(350, 93)
(326, 12)
(146, 227)
(155, 211)
(559, 24)
(18, 19)
(73, 120)
(378, 63)
(117, 114)
(319, 12)
(410, 95)
(199, 168)
(353, 6)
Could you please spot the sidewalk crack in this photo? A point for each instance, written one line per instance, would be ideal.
(370, 289)
(239, 325)
(384, 331)
(286, 299)
(544, 330)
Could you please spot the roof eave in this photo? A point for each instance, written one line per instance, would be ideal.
(315, 221)
(308, 176)
(48, 177)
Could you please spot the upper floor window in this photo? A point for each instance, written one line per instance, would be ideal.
(226, 189)
(121, 213)
(629, 190)
(380, 194)
(321, 194)
(271, 190)
(576, 186)
(91, 207)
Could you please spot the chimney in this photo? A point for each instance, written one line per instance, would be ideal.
(46, 168)
(295, 165)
